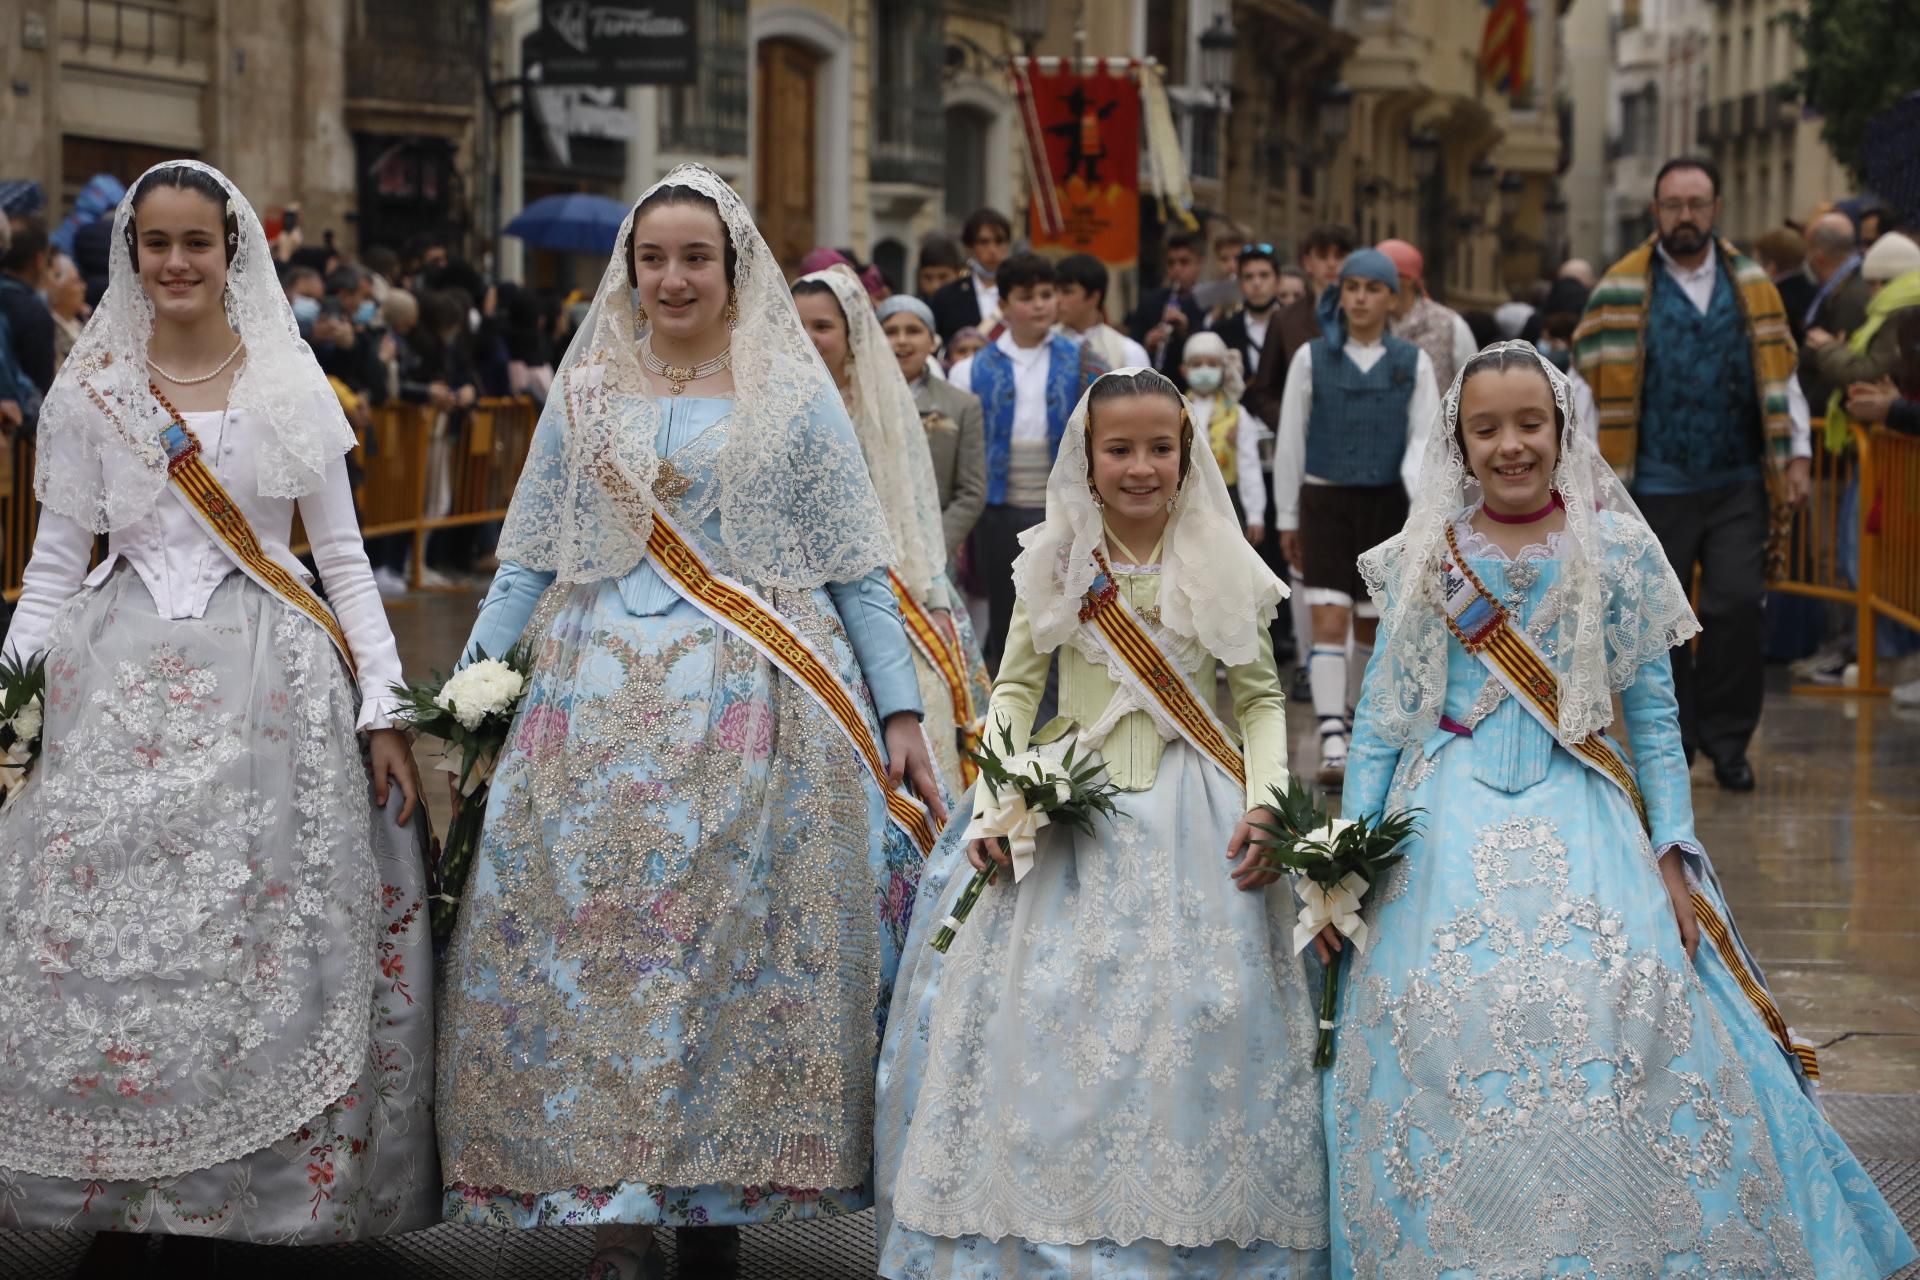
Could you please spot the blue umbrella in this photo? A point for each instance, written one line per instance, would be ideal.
(571, 223)
(21, 197)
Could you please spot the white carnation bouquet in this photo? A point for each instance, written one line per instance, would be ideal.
(1018, 795)
(1336, 864)
(471, 713)
(23, 690)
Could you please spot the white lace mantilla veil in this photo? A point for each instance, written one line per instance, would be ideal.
(106, 474)
(887, 422)
(1621, 604)
(795, 505)
(1214, 588)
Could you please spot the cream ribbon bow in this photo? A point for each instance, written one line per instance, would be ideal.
(14, 764)
(1009, 816)
(1338, 906)
(447, 759)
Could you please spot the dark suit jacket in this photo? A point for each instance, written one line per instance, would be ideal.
(955, 306)
(1154, 305)
(1297, 325)
(1844, 311)
(1796, 290)
(1233, 332)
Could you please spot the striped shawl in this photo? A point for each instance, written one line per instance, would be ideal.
(1609, 351)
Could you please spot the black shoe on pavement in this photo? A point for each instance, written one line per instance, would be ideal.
(1734, 775)
(1302, 690)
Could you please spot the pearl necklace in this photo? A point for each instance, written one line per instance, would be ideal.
(680, 375)
(188, 382)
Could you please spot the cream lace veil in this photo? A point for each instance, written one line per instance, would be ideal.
(100, 460)
(1620, 605)
(788, 485)
(1214, 588)
(887, 422)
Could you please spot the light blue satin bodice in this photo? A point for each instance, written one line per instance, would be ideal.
(687, 436)
(1511, 749)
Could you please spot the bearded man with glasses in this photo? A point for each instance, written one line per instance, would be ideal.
(1686, 346)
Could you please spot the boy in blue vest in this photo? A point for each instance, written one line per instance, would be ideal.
(1028, 380)
(1353, 420)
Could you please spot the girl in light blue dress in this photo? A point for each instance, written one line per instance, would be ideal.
(665, 992)
(1109, 1074)
(1556, 1057)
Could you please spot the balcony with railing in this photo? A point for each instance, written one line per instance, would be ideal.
(423, 51)
(908, 56)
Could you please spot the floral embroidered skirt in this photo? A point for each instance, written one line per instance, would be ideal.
(1110, 1073)
(664, 995)
(1533, 1079)
(215, 977)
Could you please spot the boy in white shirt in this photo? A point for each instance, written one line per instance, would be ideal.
(1028, 381)
(1353, 421)
(1082, 292)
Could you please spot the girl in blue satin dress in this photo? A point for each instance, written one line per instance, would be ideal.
(1556, 1058)
(665, 991)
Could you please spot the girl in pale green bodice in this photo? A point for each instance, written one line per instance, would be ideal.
(1109, 1072)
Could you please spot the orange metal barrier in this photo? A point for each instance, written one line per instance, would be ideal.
(1886, 466)
(413, 461)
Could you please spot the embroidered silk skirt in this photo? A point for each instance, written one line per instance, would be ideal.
(215, 977)
(1533, 1079)
(1110, 1073)
(665, 992)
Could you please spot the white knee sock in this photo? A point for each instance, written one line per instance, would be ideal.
(1302, 616)
(1357, 673)
(1327, 673)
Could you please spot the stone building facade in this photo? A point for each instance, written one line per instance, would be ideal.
(362, 112)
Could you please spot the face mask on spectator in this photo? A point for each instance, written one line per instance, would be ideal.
(306, 310)
(366, 313)
(1205, 378)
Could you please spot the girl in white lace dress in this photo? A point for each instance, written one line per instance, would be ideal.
(214, 970)
(1109, 1074)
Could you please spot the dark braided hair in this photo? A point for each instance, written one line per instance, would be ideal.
(677, 194)
(1501, 360)
(184, 177)
(1146, 382)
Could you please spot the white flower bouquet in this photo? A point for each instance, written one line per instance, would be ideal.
(471, 713)
(1336, 864)
(1021, 793)
(23, 690)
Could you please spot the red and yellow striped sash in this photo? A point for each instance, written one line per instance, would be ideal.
(1717, 931)
(220, 516)
(1126, 637)
(742, 611)
(940, 646)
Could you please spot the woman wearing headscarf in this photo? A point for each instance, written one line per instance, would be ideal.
(666, 984)
(214, 970)
(1556, 1057)
(952, 675)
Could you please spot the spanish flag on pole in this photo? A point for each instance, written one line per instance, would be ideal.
(1506, 46)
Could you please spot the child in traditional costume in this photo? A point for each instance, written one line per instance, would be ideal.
(1556, 1057)
(1109, 1073)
